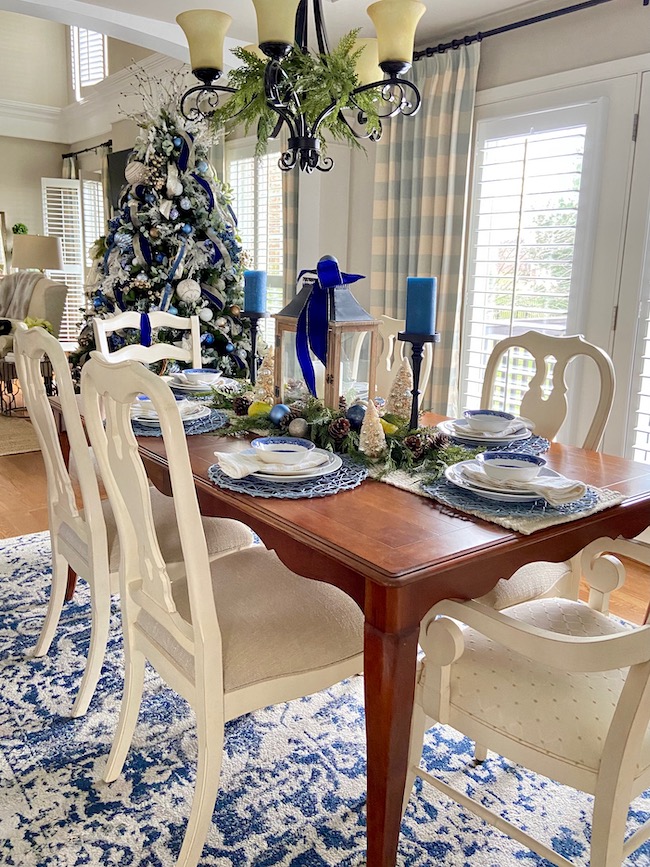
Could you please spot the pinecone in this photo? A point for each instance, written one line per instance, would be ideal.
(285, 421)
(339, 429)
(414, 444)
(439, 440)
(343, 404)
(240, 405)
(297, 409)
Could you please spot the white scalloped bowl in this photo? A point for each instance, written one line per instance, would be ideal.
(511, 466)
(282, 450)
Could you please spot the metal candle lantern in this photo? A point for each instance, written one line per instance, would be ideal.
(326, 343)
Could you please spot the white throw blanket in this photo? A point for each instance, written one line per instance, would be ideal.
(16, 293)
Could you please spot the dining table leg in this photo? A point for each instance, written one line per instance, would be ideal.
(389, 671)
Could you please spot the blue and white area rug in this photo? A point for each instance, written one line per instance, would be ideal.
(293, 779)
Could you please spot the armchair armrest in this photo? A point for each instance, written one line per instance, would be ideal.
(568, 653)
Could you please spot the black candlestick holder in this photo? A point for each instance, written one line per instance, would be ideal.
(253, 316)
(417, 342)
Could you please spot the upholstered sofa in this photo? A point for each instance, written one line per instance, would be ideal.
(30, 294)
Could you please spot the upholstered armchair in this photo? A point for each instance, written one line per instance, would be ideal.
(30, 294)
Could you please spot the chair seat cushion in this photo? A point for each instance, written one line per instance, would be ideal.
(221, 534)
(568, 714)
(273, 622)
(529, 582)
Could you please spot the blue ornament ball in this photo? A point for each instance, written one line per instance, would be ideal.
(97, 303)
(202, 166)
(173, 310)
(187, 229)
(278, 412)
(355, 415)
(160, 258)
(185, 203)
(177, 140)
(149, 198)
(173, 214)
(209, 339)
(229, 347)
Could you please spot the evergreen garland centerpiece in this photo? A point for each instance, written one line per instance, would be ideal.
(318, 80)
(172, 245)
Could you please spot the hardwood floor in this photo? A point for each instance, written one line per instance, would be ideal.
(23, 509)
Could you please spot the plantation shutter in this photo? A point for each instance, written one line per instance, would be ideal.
(62, 217)
(92, 210)
(527, 243)
(257, 190)
(89, 58)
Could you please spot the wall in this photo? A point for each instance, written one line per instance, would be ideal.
(123, 54)
(24, 163)
(33, 60)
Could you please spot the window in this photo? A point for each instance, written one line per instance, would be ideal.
(92, 211)
(62, 217)
(257, 190)
(89, 58)
(527, 241)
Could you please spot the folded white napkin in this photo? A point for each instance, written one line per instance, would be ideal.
(555, 490)
(239, 465)
(185, 407)
(517, 425)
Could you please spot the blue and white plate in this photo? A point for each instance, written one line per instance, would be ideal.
(454, 474)
(331, 465)
(459, 429)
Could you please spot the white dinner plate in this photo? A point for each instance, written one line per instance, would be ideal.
(454, 474)
(221, 384)
(197, 413)
(333, 463)
(450, 429)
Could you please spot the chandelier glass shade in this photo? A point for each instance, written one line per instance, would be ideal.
(342, 94)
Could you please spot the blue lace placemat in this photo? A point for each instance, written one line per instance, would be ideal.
(207, 424)
(526, 518)
(534, 445)
(348, 476)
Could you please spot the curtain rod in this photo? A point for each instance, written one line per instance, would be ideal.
(479, 37)
(104, 144)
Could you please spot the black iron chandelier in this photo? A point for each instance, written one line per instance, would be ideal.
(372, 68)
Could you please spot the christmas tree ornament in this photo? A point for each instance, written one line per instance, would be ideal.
(173, 214)
(187, 229)
(206, 314)
(221, 322)
(372, 439)
(259, 407)
(264, 380)
(188, 290)
(235, 309)
(136, 172)
(165, 208)
(400, 398)
(279, 412)
(298, 427)
(355, 415)
(177, 141)
(185, 203)
(230, 347)
(202, 166)
(174, 186)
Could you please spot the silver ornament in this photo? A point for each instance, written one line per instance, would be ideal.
(136, 172)
(221, 322)
(188, 290)
(298, 427)
(205, 315)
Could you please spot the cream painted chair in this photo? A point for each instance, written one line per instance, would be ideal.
(30, 294)
(157, 351)
(548, 414)
(554, 685)
(86, 538)
(393, 351)
(232, 636)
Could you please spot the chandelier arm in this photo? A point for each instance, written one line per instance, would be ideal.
(321, 31)
(204, 91)
(393, 90)
(362, 119)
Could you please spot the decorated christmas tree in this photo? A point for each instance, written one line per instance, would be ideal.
(172, 244)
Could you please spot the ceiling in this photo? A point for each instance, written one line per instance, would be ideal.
(154, 24)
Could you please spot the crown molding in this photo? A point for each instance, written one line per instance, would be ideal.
(94, 115)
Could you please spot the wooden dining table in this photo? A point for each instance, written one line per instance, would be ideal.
(397, 554)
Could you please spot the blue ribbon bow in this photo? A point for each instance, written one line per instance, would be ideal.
(312, 325)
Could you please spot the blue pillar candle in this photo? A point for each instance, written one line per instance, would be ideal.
(255, 291)
(420, 305)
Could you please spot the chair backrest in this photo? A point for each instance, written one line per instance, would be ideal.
(157, 351)
(391, 354)
(48, 302)
(549, 413)
(30, 347)
(144, 578)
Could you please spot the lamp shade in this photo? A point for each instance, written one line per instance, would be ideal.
(368, 70)
(42, 252)
(395, 22)
(205, 31)
(276, 20)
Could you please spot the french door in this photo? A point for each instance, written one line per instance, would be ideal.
(548, 199)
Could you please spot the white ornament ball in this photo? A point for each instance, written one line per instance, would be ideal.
(206, 314)
(188, 291)
(136, 172)
(298, 427)
(222, 322)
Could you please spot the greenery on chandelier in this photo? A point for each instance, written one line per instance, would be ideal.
(318, 80)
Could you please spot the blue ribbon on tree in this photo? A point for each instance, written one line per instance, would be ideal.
(205, 185)
(312, 325)
(145, 329)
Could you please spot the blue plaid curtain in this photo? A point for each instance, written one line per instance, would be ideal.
(419, 206)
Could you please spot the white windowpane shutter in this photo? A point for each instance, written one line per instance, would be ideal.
(89, 58)
(62, 217)
(641, 419)
(257, 190)
(523, 244)
(92, 208)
